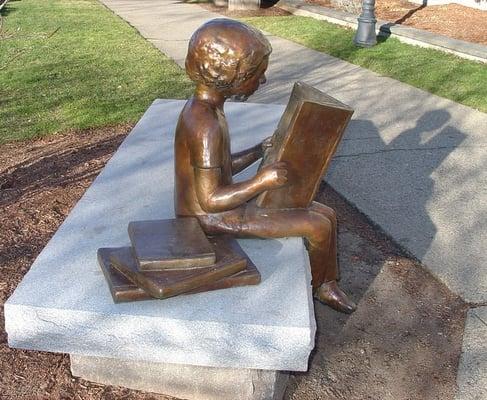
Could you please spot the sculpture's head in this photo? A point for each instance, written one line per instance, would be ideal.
(228, 56)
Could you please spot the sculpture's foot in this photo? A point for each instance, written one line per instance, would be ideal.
(330, 294)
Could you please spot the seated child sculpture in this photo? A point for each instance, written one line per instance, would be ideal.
(227, 59)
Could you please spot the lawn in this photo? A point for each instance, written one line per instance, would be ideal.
(445, 75)
(72, 64)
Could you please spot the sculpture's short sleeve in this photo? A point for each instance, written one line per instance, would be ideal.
(206, 147)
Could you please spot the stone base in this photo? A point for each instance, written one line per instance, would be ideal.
(64, 305)
(220, 3)
(183, 381)
(243, 5)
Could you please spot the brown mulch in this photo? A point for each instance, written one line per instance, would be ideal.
(452, 20)
(404, 340)
(402, 343)
(40, 181)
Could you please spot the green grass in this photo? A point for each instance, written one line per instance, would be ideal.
(72, 64)
(445, 75)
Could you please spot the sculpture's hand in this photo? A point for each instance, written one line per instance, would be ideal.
(273, 176)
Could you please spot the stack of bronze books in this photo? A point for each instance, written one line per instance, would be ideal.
(172, 257)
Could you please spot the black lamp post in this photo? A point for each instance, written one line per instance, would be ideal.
(365, 36)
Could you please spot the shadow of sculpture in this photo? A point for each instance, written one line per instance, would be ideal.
(380, 328)
(403, 170)
(396, 178)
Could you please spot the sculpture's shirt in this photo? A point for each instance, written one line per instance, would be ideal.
(201, 141)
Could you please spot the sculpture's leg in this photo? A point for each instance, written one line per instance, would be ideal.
(328, 290)
(331, 270)
(316, 225)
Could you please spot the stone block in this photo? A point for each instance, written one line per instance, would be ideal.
(220, 3)
(63, 304)
(234, 5)
(183, 381)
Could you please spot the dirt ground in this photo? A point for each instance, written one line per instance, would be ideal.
(40, 181)
(403, 343)
(452, 20)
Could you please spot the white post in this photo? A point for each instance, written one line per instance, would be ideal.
(243, 4)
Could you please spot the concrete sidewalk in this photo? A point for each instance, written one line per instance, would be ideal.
(413, 162)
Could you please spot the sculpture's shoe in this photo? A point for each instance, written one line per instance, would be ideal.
(330, 294)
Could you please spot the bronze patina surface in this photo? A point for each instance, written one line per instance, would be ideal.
(226, 59)
(121, 289)
(127, 283)
(168, 283)
(170, 244)
(306, 139)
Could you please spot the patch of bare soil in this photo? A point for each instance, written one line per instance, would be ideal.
(40, 181)
(402, 343)
(404, 340)
(452, 20)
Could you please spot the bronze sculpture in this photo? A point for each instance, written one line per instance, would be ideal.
(128, 283)
(228, 59)
(172, 257)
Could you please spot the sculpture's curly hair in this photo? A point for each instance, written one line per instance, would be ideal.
(223, 53)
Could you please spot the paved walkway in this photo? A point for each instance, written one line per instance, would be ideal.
(414, 163)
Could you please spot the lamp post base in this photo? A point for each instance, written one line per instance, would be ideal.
(366, 36)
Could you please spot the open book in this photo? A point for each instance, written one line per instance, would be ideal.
(306, 139)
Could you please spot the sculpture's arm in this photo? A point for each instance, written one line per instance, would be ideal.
(214, 197)
(243, 159)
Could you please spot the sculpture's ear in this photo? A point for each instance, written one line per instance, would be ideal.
(219, 67)
(247, 67)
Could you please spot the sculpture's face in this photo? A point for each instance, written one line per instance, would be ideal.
(249, 86)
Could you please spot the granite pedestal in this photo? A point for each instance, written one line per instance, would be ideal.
(63, 303)
(183, 381)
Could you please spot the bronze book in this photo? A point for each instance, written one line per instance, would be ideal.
(170, 244)
(306, 138)
(127, 283)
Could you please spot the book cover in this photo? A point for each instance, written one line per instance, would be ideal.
(170, 244)
(306, 138)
